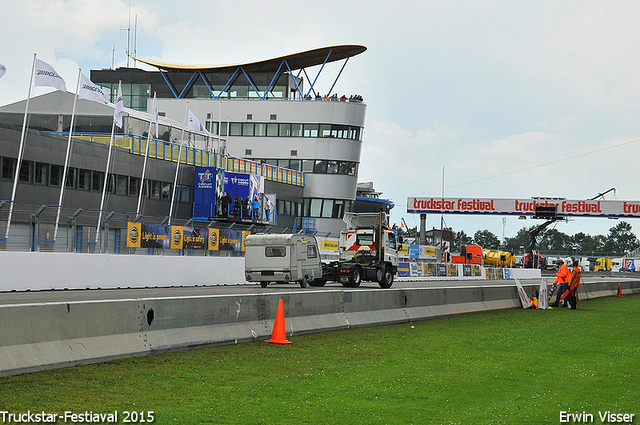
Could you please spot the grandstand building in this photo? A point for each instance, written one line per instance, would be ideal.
(263, 118)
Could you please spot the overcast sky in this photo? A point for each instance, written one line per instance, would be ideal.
(511, 99)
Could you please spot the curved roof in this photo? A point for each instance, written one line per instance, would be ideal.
(295, 61)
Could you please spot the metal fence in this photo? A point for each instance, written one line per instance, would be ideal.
(33, 228)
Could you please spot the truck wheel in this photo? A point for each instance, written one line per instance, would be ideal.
(317, 282)
(387, 278)
(356, 277)
(303, 283)
(264, 284)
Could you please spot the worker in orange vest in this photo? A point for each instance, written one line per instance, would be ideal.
(571, 294)
(562, 277)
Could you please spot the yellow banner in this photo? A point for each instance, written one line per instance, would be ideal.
(244, 235)
(329, 245)
(214, 239)
(176, 237)
(134, 235)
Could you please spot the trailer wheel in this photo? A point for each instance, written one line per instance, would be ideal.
(356, 277)
(303, 283)
(264, 284)
(387, 277)
(317, 282)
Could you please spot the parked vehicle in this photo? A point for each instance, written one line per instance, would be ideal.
(497, 258)
(368, 252)
(469, 254)
(282, 258)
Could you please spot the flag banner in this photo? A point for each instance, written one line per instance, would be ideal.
(47, 76)
(543, 298)
(117, 114)
(195, 125)
(524, 298)
(3, 70)
(90, 91)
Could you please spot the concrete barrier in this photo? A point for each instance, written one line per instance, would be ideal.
(52, 335)
(23, 271)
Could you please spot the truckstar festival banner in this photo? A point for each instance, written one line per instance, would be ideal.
(526, 207)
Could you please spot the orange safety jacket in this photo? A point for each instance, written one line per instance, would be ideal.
(563, 275)
(576, 276)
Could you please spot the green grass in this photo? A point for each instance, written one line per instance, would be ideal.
(504, 367)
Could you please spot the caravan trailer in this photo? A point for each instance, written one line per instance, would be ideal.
(282, 258)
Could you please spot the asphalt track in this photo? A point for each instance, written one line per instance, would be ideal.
(86, 295)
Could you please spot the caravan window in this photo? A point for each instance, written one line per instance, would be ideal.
(275, 251)
(312, 252)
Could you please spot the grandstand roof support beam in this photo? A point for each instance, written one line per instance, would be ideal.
(274, 79)
(338, 76)
(189, 84)
(320, 70)
(169, 83)
(250, 80)
(228, 83)
(295, 81)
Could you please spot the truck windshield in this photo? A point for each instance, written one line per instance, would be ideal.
(365, 240)
(275, 251)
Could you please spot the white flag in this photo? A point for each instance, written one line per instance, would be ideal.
(90, 91)
(47, 76)
(3, 70)
(195, 125)
(117, 114)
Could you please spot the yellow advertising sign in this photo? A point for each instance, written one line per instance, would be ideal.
(429, 251)
(176, 237)
(404, 249)
(329, 245)
(214, 239)
(245, 233)
(134, 234)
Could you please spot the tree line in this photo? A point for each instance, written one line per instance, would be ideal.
(619, 241)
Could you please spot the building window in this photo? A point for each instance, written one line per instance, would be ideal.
(273, 117)
(56, 175)
(310, 130)
(8, 168)
(235, 129)
(260, 129)
(84, 179)
(247, 129)
(272, 130)
(156, 189)
(296, 130)
(248, 152)
(26, 172)
(294, 152)
(134, 186)
(249, 116)
(98, 181)
(123, 185)
(41, 173)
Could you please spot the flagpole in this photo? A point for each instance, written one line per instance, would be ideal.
(24, 126)
(146, 155)
(106, 173)
(66, 160)
(175, 178)
(104, 186)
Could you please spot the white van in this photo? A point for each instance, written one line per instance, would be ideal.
(282, 258)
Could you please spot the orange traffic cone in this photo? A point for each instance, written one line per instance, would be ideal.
(279, 335)
(619, 290)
